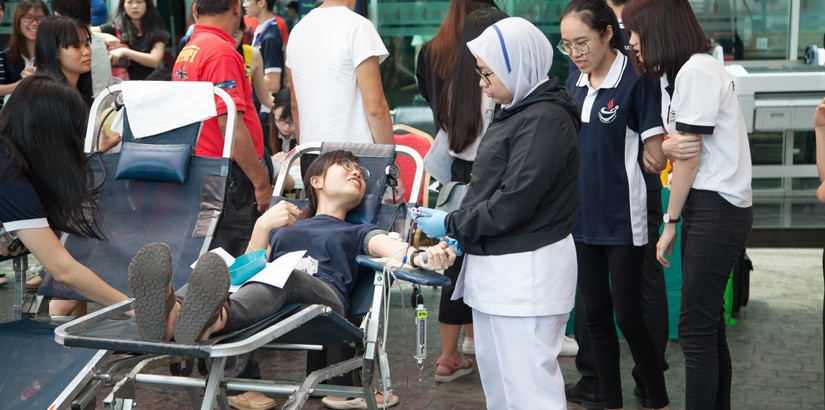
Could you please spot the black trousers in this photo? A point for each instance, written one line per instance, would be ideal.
(654, 304)
(239, 215)
(455, 312)
(714, 233)
(610, 280)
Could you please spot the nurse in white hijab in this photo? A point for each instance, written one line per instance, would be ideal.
(514, 224)
(518, 53)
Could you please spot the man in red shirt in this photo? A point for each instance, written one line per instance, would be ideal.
(210, 56)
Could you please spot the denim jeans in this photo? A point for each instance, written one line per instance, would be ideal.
(714, 233)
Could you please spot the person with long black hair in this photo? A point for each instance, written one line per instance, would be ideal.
(19, 57)
(463, 128)
(138, 26)
(63, 49)
(43, 182)
(710, 186)
(514, 224)
(620, 119)
(436, 58)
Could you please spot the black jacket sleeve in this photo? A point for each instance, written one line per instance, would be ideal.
(539, 152)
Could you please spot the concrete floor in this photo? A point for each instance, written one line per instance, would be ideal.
(776, 347)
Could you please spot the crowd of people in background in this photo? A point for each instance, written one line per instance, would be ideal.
(563, 203)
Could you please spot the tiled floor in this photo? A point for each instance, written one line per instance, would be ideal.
(776, 347)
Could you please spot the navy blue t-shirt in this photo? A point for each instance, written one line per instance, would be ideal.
(271, 44)
(20, 206)
(612, 190)
(332, 242)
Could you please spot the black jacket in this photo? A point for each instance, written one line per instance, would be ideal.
(523, 189)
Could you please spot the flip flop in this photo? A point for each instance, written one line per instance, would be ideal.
(150, 274)
(457, 368)
(204, 300)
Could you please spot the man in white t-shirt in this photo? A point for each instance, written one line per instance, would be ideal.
(332, 68)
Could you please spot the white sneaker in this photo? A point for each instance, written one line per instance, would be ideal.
(469, 346)
(569, 347)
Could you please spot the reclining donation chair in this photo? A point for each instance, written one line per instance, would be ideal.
(153, 189)
(295, 327)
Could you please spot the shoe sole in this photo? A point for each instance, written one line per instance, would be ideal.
(208, 286)
(149, 274)
(453, 377)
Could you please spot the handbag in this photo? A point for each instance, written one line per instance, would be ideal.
(450, 196)
(438, 160)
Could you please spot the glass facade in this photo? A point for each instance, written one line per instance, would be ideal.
(780, 30)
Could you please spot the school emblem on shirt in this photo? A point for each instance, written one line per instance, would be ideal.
(608, 113)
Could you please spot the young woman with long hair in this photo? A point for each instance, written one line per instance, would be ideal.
(43, 179)
(710, 186)
(435, 61)
(138, 26)
(63, 49)
(19, 57)
(620, 115)
(335, 185)
(463, 129)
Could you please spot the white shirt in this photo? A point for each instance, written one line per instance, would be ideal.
(537, 283)
(324, 50)
(704, 102)
(101, 67)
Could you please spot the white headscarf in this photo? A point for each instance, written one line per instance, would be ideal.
(517, 52)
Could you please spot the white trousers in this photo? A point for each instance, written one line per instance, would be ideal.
(517, 360)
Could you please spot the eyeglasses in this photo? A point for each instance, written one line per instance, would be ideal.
(284, 123)
(29, 18)
(485, 76)
(582, 47)
(351, 166)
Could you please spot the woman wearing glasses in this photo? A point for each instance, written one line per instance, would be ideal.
(710, 187)
(514, 224)
(619, 113)
(19, 57)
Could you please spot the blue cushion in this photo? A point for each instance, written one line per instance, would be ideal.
(150, 162)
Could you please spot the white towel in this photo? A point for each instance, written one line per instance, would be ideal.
(159, 106)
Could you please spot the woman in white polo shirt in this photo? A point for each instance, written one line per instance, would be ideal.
(711, 184)
(620, 119)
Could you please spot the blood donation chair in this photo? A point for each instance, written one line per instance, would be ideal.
(295, 327)
(153, 189)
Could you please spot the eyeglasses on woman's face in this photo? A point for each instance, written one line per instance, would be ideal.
(351, 166)
(485, 76)
(31, 18)
(284, 123)
(582, 47)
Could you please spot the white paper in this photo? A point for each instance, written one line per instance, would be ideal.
(220, 252)
(275, 273)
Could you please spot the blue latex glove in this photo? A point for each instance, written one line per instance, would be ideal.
(431, 221)
(453, 244)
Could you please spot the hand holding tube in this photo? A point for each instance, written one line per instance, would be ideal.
(430, 221)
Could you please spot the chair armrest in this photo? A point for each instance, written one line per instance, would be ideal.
(417, 276)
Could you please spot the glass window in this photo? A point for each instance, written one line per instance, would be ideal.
(800, 184)
(811, 24)
(767, 148)
(804, 147)
(764, 184)
(746, 30)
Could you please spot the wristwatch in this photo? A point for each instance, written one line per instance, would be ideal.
(668, 220)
